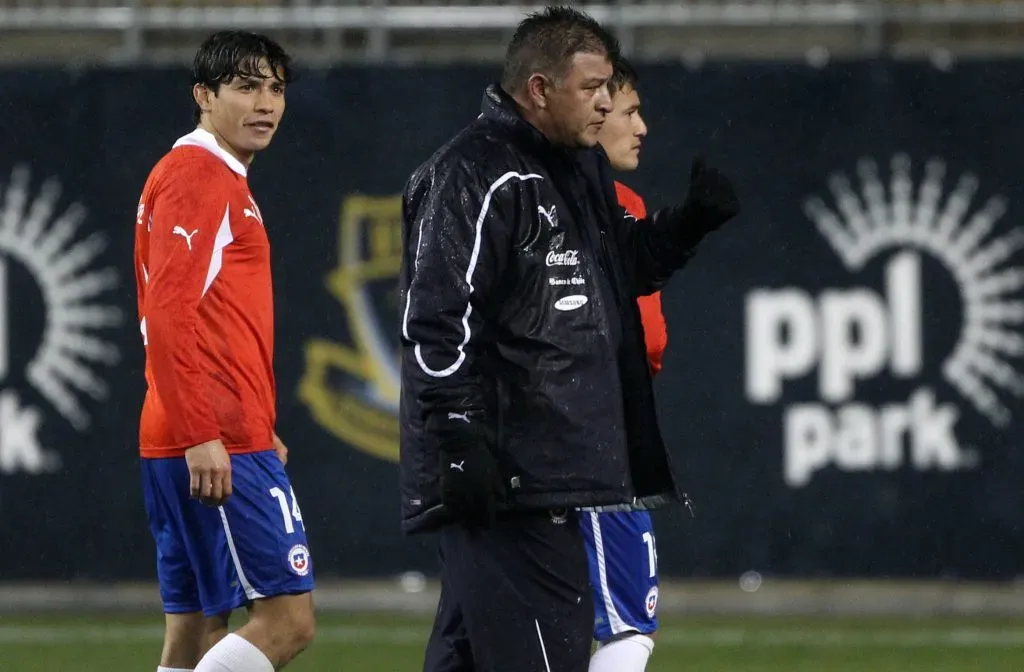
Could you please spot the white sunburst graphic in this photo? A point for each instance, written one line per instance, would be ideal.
(33, 234)
(871, 222)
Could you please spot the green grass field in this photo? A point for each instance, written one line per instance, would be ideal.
(394, 643)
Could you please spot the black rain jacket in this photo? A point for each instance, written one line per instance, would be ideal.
(518, 296)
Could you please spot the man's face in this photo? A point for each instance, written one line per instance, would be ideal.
(579, 104)
(623, 130)
(245, 113)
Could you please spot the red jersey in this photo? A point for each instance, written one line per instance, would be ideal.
(655, 330)
(202, 271)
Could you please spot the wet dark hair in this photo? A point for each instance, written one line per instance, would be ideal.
(546, 42)
(236, 53)
(624, 75)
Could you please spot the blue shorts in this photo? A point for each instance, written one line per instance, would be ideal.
(215, 560)
(623, 572)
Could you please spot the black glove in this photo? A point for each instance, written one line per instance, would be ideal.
(471, 485)
(711, 200)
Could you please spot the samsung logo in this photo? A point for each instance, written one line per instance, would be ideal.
(570, 302)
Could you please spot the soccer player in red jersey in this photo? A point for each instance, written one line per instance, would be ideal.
(227, 526)
(620, 545)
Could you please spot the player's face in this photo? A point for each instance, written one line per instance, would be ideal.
(579, 104)
(245, 113)
(623, 130)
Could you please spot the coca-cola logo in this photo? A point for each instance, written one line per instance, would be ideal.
(567, 258)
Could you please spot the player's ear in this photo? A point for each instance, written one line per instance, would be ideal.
(203, 97)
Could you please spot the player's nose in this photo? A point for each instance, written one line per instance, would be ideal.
(641, 128)
(264, 101)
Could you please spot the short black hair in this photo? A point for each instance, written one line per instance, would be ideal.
(546, 41)
(237, 53)
(624, 75)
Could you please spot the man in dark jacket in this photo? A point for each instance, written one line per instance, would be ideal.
(525, 386)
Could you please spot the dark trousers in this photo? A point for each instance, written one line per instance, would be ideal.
(514, 598)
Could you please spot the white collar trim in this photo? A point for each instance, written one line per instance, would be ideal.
(203, 138)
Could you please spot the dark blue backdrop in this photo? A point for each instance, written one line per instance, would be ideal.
(868, 482)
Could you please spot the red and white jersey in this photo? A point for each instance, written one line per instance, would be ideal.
(205, 299)
(655, 330)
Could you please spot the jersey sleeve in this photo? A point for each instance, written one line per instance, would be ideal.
(190, 214)
(655, 329)
(630, 200)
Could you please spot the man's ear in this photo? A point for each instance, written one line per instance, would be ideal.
(537, 88)
(203, 97)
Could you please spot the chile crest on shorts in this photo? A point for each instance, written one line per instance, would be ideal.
(651, 602)
(298, 559)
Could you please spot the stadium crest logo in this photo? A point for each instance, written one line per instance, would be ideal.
(854, 334)
(39, 248)
(352, 389)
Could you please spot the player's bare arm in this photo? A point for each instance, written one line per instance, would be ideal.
(209, 470)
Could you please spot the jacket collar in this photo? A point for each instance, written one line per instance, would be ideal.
(590, 164)
(498, 106)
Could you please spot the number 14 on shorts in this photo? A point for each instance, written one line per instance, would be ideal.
(291, 514)
(652, 553)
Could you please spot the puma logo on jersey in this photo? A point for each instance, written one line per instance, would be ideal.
(459, 416)
(458, 466)
(179, 231)
(550, 214)
(254, 211)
